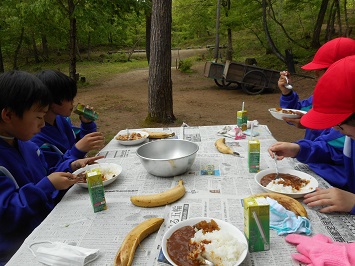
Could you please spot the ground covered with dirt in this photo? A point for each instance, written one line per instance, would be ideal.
(122, 101)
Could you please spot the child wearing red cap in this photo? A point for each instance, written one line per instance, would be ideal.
(333, 107)
(328, 163)
(326, 55)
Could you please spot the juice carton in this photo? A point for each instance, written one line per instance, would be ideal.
(256, 223)
(254, 155)
(242, 119)
(96, 189)
(80, 109)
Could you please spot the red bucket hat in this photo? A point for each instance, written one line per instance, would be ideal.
(334, 96)
(330, 52)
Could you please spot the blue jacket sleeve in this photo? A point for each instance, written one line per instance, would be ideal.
(327, 148)
(291, 101)
(86, 128)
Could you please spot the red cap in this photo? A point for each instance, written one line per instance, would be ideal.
(334, 96)
(330, 52)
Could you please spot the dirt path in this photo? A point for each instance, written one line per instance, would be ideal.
(122, 101)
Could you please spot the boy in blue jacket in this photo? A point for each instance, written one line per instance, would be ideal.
(28, 191)
(326, 55)
(58, 130)
(333, 106)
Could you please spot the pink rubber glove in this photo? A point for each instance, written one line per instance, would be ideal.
(321, 250)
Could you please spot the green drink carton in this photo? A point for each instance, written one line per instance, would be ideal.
(80, 109)
(257, 223)
(96, 189)
(254, 155)
(242, 119)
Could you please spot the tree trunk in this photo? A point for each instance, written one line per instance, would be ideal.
(268, 36)
(35, 50)
(89, 46)
(216, 47)
(148, 23)
(72, 41)
(346, 18)
(337, 4)
(45, 47)
(330, 23)
(17, 51)
(229, 54)
(160, 97)
(318, 27)
(78, 52)
(2, 68)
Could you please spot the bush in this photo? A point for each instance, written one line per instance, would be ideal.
(185, 65)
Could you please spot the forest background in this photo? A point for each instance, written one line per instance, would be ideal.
(94, 41)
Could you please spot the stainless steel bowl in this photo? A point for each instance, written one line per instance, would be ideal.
(168, 157)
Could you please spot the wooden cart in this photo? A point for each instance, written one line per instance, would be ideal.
(252, 79)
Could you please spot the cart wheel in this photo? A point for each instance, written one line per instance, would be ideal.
(254, 82)
(222, 83)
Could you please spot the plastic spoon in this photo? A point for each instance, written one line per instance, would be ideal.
(288, 86)
(277, 168)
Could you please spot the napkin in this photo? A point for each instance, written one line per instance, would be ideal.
(285, 221)
(231, 132)
(254, 122)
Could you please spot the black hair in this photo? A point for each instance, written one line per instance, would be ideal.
(20, 90)
(60, 85)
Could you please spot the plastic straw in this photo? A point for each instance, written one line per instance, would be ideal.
(251, 129)
(243, 106)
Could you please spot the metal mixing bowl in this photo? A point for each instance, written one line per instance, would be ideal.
(168, 157)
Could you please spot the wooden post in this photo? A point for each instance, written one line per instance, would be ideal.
(289, 61)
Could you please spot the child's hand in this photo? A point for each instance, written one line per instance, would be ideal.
(284, 75)
(83, 162)
(284, 149)
(91, 141)
(61, 180)
(331, 200)
(295, 121)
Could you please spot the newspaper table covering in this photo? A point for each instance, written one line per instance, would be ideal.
(215, 185)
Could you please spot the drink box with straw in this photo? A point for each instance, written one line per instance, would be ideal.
(257, 223)
(242, 118)
(96, 189)
(253, 153)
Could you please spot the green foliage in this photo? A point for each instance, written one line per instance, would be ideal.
(185, 65)
(120, 25)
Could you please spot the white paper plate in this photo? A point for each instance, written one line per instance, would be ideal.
(311, 186)
(132, 142)
(279, 114)
(110, 170)
(222, 224)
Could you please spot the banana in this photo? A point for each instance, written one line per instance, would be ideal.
(223, 148)
(125, 254)
(159, 199)
(159, 135)
(289, 203)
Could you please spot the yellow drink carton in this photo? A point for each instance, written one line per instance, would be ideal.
(256, 223)
(242, 119)
(254, 155)
(96, 189)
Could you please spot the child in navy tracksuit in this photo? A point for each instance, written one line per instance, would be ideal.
(326, 55)
(28, 189)
(333, 107)
(58, 130)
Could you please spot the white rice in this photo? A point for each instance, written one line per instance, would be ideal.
(224, 249)
(275, 186)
